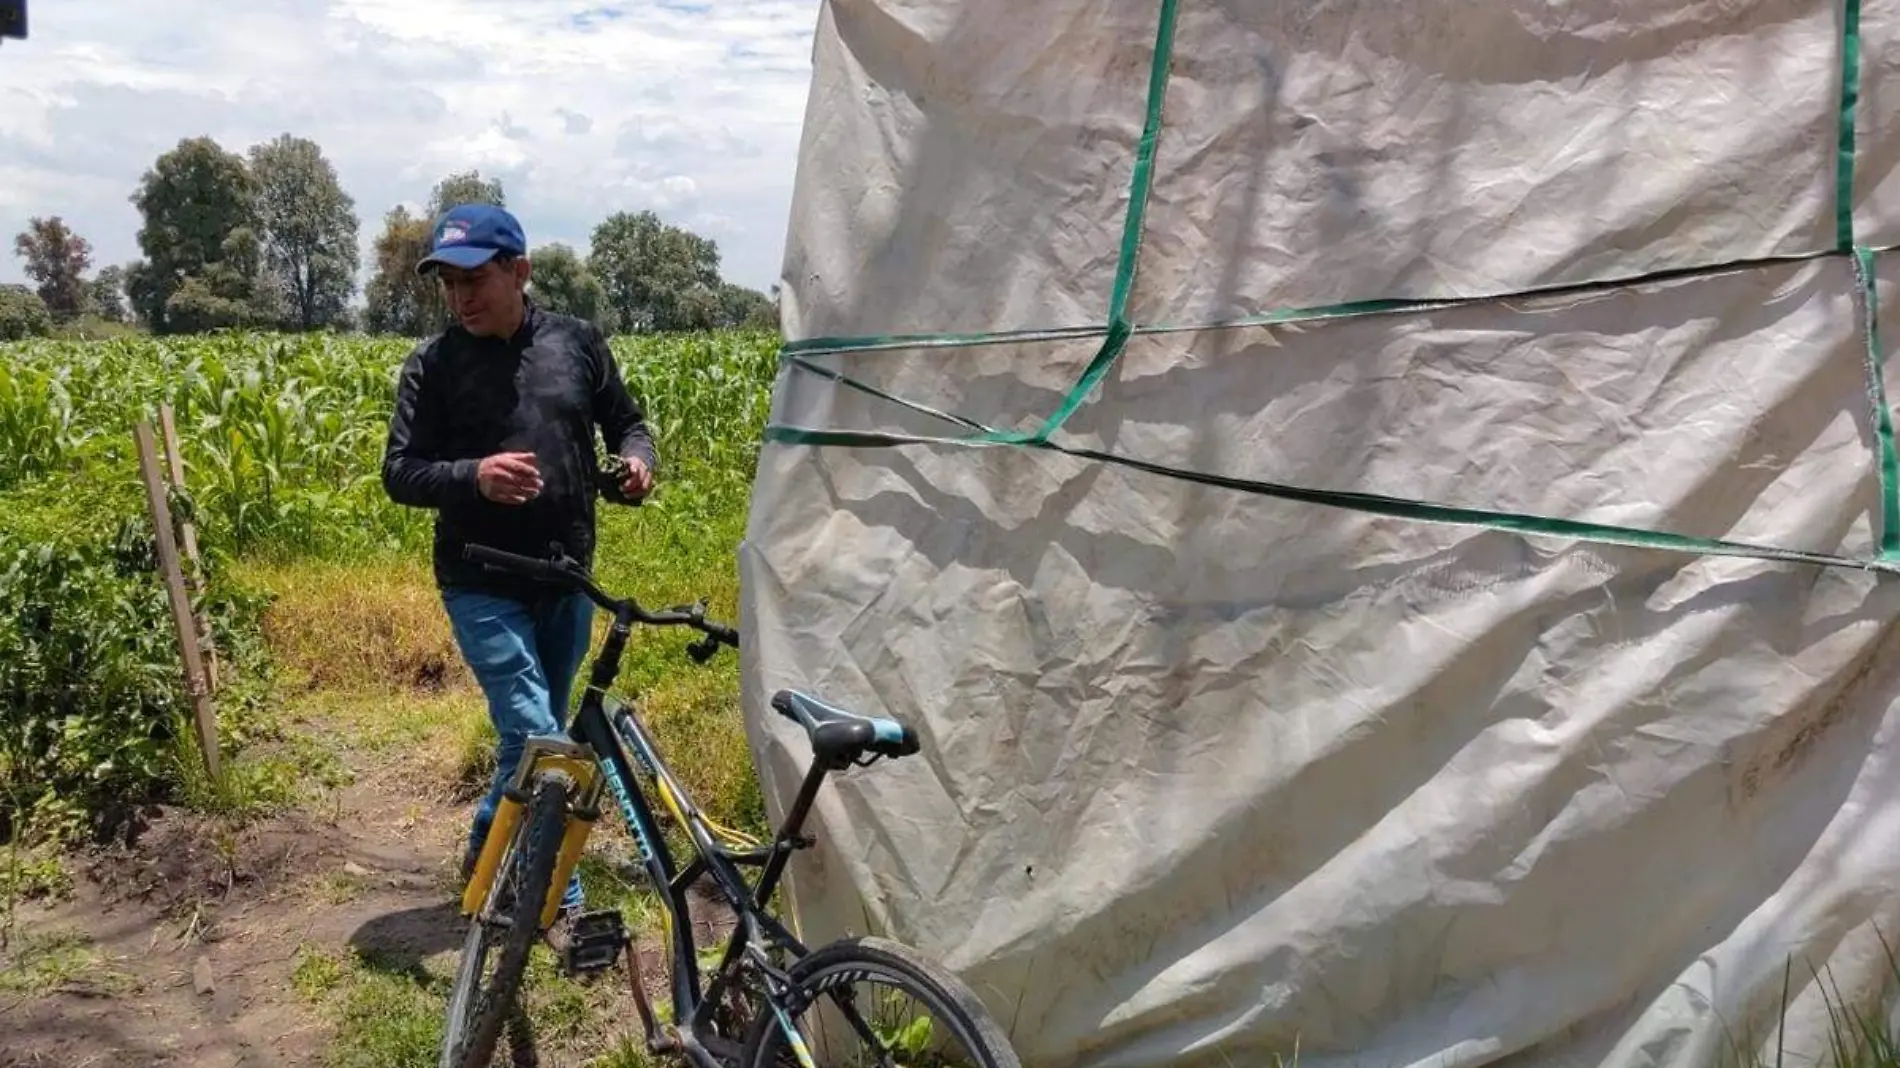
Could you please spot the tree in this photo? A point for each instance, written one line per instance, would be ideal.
(107, 295)
(746, 308)
(199, 204)
(400, 301)
(228, 292)
(562, 283)
(465, 187)
(309, 226)
(657, 276)
(197, 307)
(57, 259)
(22, 314)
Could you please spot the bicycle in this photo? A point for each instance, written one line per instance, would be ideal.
(766, 978)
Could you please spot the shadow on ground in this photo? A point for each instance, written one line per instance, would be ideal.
(401, 941)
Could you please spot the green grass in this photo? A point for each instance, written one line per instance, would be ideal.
(383, 1016)
(389, 1014)
(317, 582)
(57, 961)
(31, 872)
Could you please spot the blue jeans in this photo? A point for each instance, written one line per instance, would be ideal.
(525, 656)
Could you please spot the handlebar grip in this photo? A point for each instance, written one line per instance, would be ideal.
(506, 561)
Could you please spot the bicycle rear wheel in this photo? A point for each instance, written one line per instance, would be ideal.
(841, 1026)
(508, 921)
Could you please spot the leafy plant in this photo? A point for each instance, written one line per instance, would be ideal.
(89, 674)
(283, 434)
(282, 439)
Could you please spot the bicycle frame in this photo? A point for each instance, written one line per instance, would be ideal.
(600, 748)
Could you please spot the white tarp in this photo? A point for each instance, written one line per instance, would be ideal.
(1209, 775)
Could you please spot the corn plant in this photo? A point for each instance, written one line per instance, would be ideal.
(283, 435)
(37, 429)
(282, 440)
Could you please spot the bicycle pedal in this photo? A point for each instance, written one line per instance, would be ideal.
(595, 942)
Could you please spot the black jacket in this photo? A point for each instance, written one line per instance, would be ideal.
(460, 398)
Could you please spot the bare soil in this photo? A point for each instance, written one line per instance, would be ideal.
(193, 932)
(196, 930)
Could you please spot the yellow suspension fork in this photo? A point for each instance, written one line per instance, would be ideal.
(574, 764)
(501, 833)
(581, 818)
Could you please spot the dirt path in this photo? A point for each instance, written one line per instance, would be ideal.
(185, 946)
(180, 948)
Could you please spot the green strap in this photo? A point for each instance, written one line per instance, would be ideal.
(1887, 460)
(1885, 457)
(1141, 183)
(1850, 104)
(829, 346)
(1114, 336)
(826, 346)
(1139, 186)
(843, 379)
(1377, 504)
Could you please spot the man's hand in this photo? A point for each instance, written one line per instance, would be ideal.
(509, 477)
(638, 479)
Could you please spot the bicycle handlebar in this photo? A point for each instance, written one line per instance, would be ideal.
(566, 571)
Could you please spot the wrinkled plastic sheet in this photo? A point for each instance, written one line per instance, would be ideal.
(1209, 776)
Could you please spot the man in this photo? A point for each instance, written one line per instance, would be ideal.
(494, 429)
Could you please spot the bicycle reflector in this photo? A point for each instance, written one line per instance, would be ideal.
(13, 19)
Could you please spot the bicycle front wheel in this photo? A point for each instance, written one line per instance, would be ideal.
(872, 1001)
(506, 926)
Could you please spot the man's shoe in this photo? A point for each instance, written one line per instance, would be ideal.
(560, 934)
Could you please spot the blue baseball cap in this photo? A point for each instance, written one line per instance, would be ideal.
(469, 235)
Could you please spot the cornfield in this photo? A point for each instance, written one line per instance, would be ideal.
(282, 435)
(282, 438)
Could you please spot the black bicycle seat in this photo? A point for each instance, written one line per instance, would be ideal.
(840, 737)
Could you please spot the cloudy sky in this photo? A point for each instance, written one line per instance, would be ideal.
(582, 108)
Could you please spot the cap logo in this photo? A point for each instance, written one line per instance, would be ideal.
(453, 232)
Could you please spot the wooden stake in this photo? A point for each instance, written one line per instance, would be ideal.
(176, 460)
(180, 602)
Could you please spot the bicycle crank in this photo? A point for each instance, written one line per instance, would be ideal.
(636, 975)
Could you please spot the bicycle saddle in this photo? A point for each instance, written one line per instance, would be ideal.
(840, 737)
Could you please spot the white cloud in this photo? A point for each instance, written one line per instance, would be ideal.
(582, 108)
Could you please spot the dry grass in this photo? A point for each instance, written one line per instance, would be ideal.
(466, 759)
(374, 626)
(370, 648)
(439, 743)
(697, 724)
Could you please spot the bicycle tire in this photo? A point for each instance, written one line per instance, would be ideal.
(540, 832)
(905, 968)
